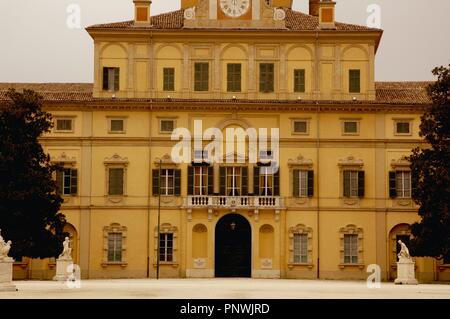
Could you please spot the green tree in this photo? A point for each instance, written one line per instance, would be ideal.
(430, 169)
(29, 203)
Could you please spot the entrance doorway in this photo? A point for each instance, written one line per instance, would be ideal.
(233, 247)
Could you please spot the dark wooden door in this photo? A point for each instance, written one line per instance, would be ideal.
(233, 248)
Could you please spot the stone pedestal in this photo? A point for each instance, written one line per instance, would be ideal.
(62, 273)
(6, 273)
(406, 273)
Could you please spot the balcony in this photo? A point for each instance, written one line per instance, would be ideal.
(234, 202)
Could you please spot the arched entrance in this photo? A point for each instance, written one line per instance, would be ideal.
(233, 247)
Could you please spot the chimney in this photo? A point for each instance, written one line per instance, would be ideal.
(142, 12)
(327, 14)
(314, 7)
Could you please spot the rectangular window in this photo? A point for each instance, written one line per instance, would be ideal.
(234, 77)
(350, 249)
(233, 181)
(201, 77)
(167, 182)
(115, 181)
(266, 181)
(303, 183)
(403, 128)
(300, 127)
(355, 81)
(169, 79)
(111, 79)
(300, 248)
(114, 247)
(167, 126)
(403, 184)
(299, 80)
(351, 127)
(200, 180)
(166, 247)
(351, 183)
(64, 125)
(266, 77)
(67, 181)
(116, 125)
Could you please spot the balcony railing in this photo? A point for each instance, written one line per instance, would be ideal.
(253, 202)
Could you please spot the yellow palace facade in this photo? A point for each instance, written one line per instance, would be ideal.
(342, 195)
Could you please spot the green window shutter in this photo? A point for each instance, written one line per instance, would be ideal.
(276, 183)
(105, 79)
(116, 79)
(244, 181)
(392, 184)
(296, 186)
(201, 77)
(74, 182)
(177, 182)
(190, 180)
(310, 183)
(266, 77)
(256, 170)
(355, 81)
(361, 184)
(116, 181)
(59, 182)
(223, 180)
(346, 183)
(169, 79)
(210, 180)
(299, 80)
(234, 77)
(155, 182)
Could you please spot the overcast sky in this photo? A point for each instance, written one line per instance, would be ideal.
(38, 46)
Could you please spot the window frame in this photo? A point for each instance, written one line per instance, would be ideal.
(302, 251)
(110, 119)
(117, 229)
(64, 118)
(233, 189)
(234, 85)
(358, 127)
(402, 190)
(352, 78)
(351, 248)
(199, 82)
(112, 79)
(169, 86)
(264, 87)
(168, 251)
(307, 125)
(161, 120)
(410, 124)
(299, 87)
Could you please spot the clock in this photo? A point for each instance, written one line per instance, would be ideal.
(234, 8)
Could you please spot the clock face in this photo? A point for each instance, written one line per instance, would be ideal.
(234, 8)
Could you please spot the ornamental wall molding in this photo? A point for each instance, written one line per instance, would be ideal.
(63, 158)
(350, 161)
(165, 160)
(300, 161)
(116, 159)
(402, 162)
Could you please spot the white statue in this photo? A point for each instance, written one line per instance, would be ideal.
(404, 255)
(2, 241)
(67, 251)
(4, 250)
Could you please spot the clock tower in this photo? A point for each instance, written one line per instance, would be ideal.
(260, 14)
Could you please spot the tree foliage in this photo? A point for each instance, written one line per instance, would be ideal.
(29, 203)
(430, 169)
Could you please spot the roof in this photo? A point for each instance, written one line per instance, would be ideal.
(295, 21)
(408, 93)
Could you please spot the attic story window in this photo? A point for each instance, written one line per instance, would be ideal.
(111, 79)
